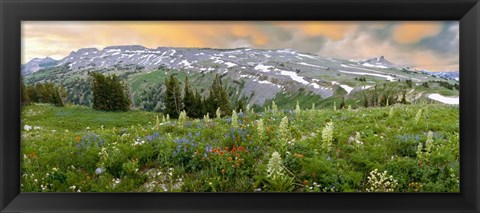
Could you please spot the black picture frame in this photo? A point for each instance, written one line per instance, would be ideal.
(14, 11)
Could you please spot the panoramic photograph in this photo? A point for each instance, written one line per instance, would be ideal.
(240, 106)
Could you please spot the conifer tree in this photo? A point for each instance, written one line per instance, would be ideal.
(173, 100)
(189, 99)
(210, 104)
(240, 107)
(56, 99)
(342, 104)
(44, 93)
(365, 100)
(218, 98)
(221, 96)
(199, 106)
(25, 100)
(109, 93)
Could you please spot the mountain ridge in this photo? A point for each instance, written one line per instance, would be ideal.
(262, 73)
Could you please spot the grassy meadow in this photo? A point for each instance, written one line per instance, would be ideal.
(400, 148)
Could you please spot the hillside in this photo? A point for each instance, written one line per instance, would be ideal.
(257, 76)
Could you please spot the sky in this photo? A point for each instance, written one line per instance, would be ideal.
(422, 45)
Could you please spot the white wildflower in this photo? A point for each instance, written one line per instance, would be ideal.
(283, 129)
(327, 136)
(182, 118)
(275, 167)
(218, 112)
(357, 139)
(234, 119)
(418, 116)
(381, 182)
(297, 109)
(390, 113)
(274, 107)
(260, 128)
(429, 142)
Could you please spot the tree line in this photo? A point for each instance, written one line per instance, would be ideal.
(43, 93)
(109, 93)
(192, 102)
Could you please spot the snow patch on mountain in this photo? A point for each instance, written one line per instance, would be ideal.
(311, 65)
(373, 65)
(230, 64)
(345, 87)
(186, 64)
(390, 78)
(444, 99)
(263, 68)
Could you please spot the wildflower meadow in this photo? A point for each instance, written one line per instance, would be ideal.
(398, 148)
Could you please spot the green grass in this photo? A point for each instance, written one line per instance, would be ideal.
(77, 118)
(77, 148)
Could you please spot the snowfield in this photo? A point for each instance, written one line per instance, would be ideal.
(390, 78)
(372, 65)
(263, 68)
(268, 82)
(311, 65)
(444, 99)
(230, 64)
(307, 56)
(345, 87)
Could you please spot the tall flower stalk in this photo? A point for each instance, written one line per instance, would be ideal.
(418, 116)
(327, 136)
(234, 119)
(277, 180)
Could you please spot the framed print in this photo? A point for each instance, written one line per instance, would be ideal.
(239, 106)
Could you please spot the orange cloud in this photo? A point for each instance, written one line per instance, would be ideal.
(331, 30)
(411, 32)
(245, 30)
